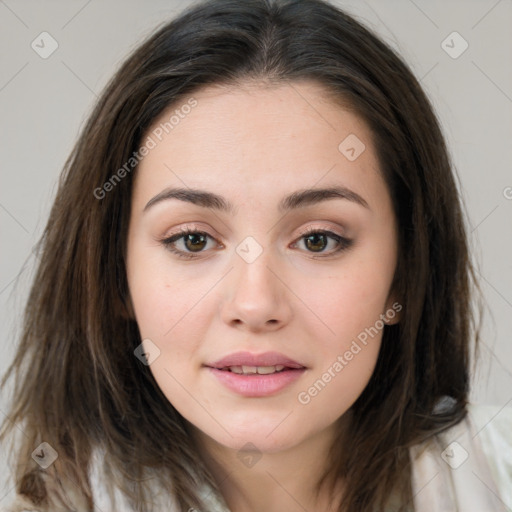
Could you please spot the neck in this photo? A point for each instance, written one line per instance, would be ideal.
(284, 480)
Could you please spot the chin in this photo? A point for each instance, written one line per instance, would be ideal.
(265, 435)
(259, 442)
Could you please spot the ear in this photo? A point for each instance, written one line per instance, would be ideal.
(393, 311)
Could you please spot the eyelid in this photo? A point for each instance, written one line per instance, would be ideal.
(315, 229)
(343, 242)
(172, 238)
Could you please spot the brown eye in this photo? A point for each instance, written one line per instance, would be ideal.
(195, 242)
(188, 243)
(316, 242)
(324, 243)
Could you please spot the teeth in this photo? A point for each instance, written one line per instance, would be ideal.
(261, 370)
(265, 370)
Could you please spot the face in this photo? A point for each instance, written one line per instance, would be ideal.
(261, 300)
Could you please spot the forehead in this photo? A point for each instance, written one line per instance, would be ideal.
(257, 138)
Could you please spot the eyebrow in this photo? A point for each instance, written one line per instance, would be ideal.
(298, 199)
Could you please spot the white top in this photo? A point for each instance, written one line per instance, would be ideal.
(467, 468)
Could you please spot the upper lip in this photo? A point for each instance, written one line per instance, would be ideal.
(248, 359)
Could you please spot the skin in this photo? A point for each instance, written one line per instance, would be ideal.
(255, 144)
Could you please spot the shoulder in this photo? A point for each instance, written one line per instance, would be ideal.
(468, 466)
(493, 426)
(108, 498)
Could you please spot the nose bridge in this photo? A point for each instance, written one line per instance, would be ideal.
(252, 270)
(255, 296)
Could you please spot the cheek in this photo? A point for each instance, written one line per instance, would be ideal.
(331, 392)
(346, 305)
(163, 296)
(350, 305)
(350, 296)
(346, 359)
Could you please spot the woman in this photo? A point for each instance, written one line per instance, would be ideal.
(255, 289)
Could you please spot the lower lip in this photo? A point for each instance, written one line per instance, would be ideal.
(256, 385)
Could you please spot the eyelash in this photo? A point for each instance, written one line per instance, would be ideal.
(344, 243)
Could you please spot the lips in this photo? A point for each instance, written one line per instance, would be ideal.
(252, 370)
(256, 375)
(258, 361)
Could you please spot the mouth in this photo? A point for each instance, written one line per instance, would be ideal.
(256, 370)
(256, 375)
(246, 362)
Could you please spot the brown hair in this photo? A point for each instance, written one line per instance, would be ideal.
(78, 385)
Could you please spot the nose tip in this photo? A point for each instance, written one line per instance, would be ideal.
(254, 296)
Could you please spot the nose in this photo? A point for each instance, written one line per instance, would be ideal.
(256, 297)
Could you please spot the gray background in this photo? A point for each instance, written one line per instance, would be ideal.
(44, 102)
